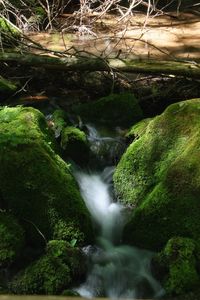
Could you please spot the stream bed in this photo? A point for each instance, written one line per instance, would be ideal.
(115, 270)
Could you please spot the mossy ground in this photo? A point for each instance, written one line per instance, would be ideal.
(160, 175)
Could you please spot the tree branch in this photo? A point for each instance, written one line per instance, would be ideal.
(83, 63)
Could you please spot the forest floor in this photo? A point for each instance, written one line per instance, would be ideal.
(161, 37)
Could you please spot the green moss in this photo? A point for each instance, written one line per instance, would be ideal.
(35, 183)
(178, 256)
(160, 175)
(74, 144)
(10, 35)
(138, 129)
(45, 276)
(58, 248)
(114, 110)
(72, 256)
(70, 293)
(68, 231)
(11, 239)
(60, 121)
(50, 274)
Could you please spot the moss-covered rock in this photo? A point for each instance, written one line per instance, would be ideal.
(114, 110)
(178, 257)
(35, 183)
(70, 255)
(74, 143)
(160, 175)
(47, 275)
(11, 239)
(52, 273)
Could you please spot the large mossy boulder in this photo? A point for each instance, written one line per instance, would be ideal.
(159, 177)
(52, 273)
(36, 185)
(179, 260)
(113, 110)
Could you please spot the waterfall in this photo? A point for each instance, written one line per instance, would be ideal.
(96, 191)
(116, 271)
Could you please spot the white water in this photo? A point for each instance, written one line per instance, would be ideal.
(116, 271)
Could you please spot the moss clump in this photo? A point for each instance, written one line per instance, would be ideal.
(11, 239)
(75, 144)
(68, 231)
(10, 35)
(160, 175)
(70, 293)
(179, 258)
(60, 121)
(114, 110)
(45, 276)
(35, 183)
(70, 255)
(50, 274)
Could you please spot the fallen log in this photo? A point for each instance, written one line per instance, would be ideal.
(80, 63)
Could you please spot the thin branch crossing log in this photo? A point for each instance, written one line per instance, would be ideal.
(80, 63)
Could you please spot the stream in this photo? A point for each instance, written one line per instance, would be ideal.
(114, 270)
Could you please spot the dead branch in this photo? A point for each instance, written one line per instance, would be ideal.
(80, 63)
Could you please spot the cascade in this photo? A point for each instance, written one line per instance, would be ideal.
(115, 270)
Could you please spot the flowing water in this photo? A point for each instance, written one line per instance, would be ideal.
(115, 270)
